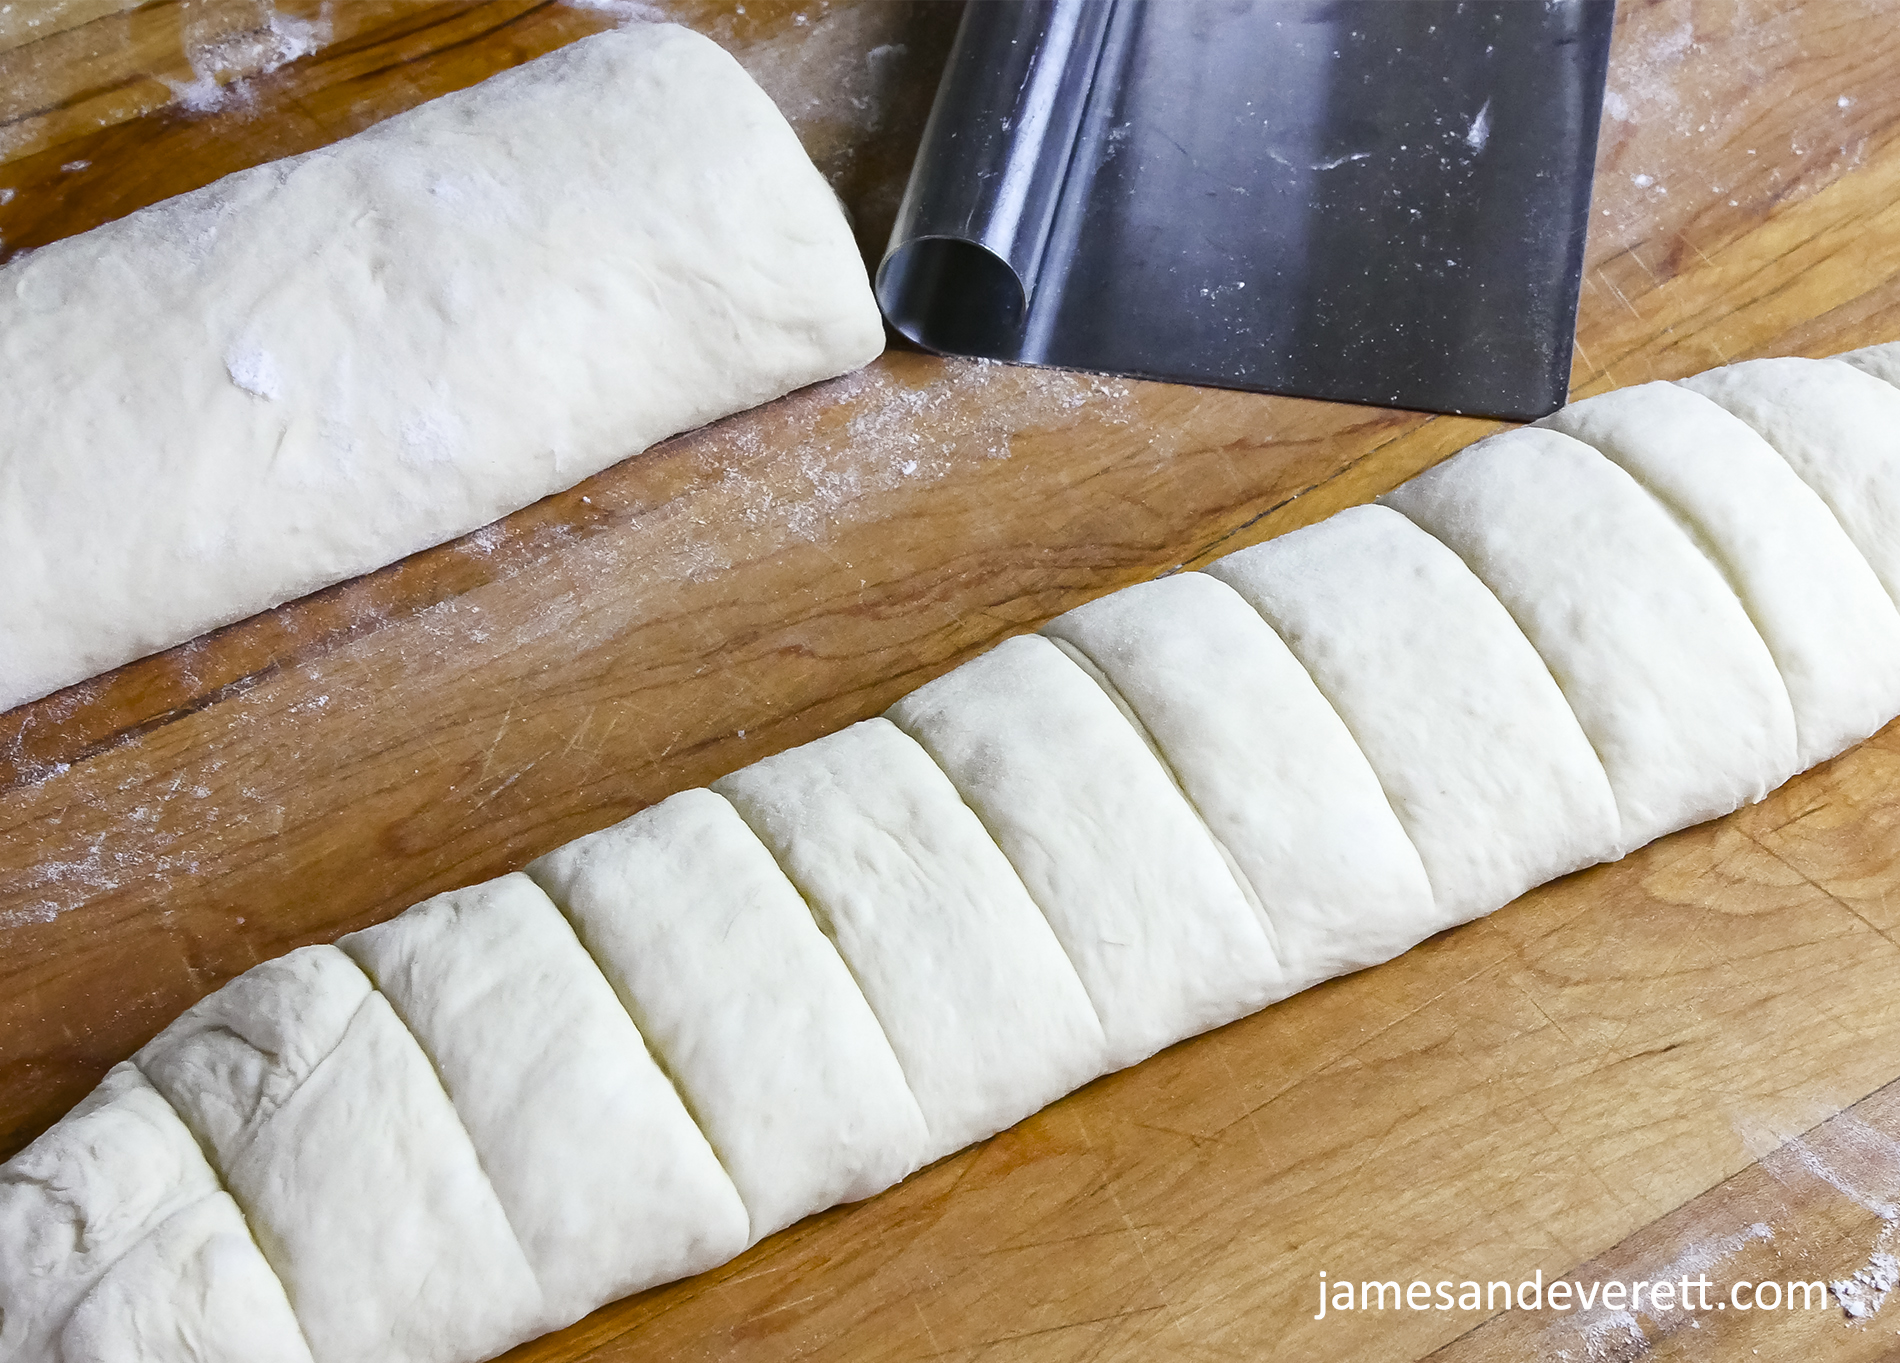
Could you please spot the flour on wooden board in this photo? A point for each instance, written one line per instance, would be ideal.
(1602, 1333)
(866, 435)
(223, 63)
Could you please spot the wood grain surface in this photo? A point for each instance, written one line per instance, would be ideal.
(1610, 1077)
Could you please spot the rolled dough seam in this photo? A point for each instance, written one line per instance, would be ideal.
(1242, 880)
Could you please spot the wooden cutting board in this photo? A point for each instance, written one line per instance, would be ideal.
(1677, 1060)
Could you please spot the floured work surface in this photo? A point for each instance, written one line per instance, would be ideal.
(1524, 1093)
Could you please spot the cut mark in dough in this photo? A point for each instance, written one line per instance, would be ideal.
(1474, 745)
(1269, 766)
(606, 1180)
(748, 1005)
(1130, 880)
(1838, 426)
(982, 1007)
(336, 1138)
(1655, 655)
(1832, 630)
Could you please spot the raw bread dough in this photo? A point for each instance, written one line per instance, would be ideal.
(942, 1007)
(1882, 361)
(745, 1003)
(311, 368)
(335, 1137)
(608, 1184)
(88, 1191)
(1830, 626)
(1482, 760)
(1661, 665)
(985, 1013)
(1839, 427)
(1268, 764)
(1136, 889)
(196, 1290)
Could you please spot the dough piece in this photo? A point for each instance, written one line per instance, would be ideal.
(1482, 760)
(985, 1013)
(1665, 671)
(194, 1291)
(100, 1180)
(607, 1183)
(1882, 361)
(1164, 939)
(311, 368)
(336, 1139)
(1268, 764)
(745, 1003)
(1839, 428)
(1830, 626)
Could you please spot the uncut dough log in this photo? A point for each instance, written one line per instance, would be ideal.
(1268, 764)
(605, 1180)
(986, 1015)
(85, 1195)
(195, 1290)
(745, 1002)
(1839, 428)
(1139, 895)
(335, 1137)
(1483, 761)
(1673, 685)
(309, 369)
(1831, 628)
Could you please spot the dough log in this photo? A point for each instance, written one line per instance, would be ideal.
(475, 1122)
(309, 369)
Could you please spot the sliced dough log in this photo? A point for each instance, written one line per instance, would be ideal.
(984, 1011)
(1269, 766)
(746, 1004)
(1135, 887)
(608, 1184)
(1839, 427)
(94, 1187)
(196, 1290)
(1665, 671)
(1882, 361)
(1484, 763)
(336, 1138)
(1832, 629)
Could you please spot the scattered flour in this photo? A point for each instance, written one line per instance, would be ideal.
(626, 11)
(223, 63)
(1861, 1296)
(1601, 1335)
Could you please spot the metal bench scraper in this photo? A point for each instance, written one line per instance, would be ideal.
(1375, 201)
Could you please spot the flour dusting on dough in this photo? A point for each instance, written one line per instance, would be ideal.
(253, 369)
